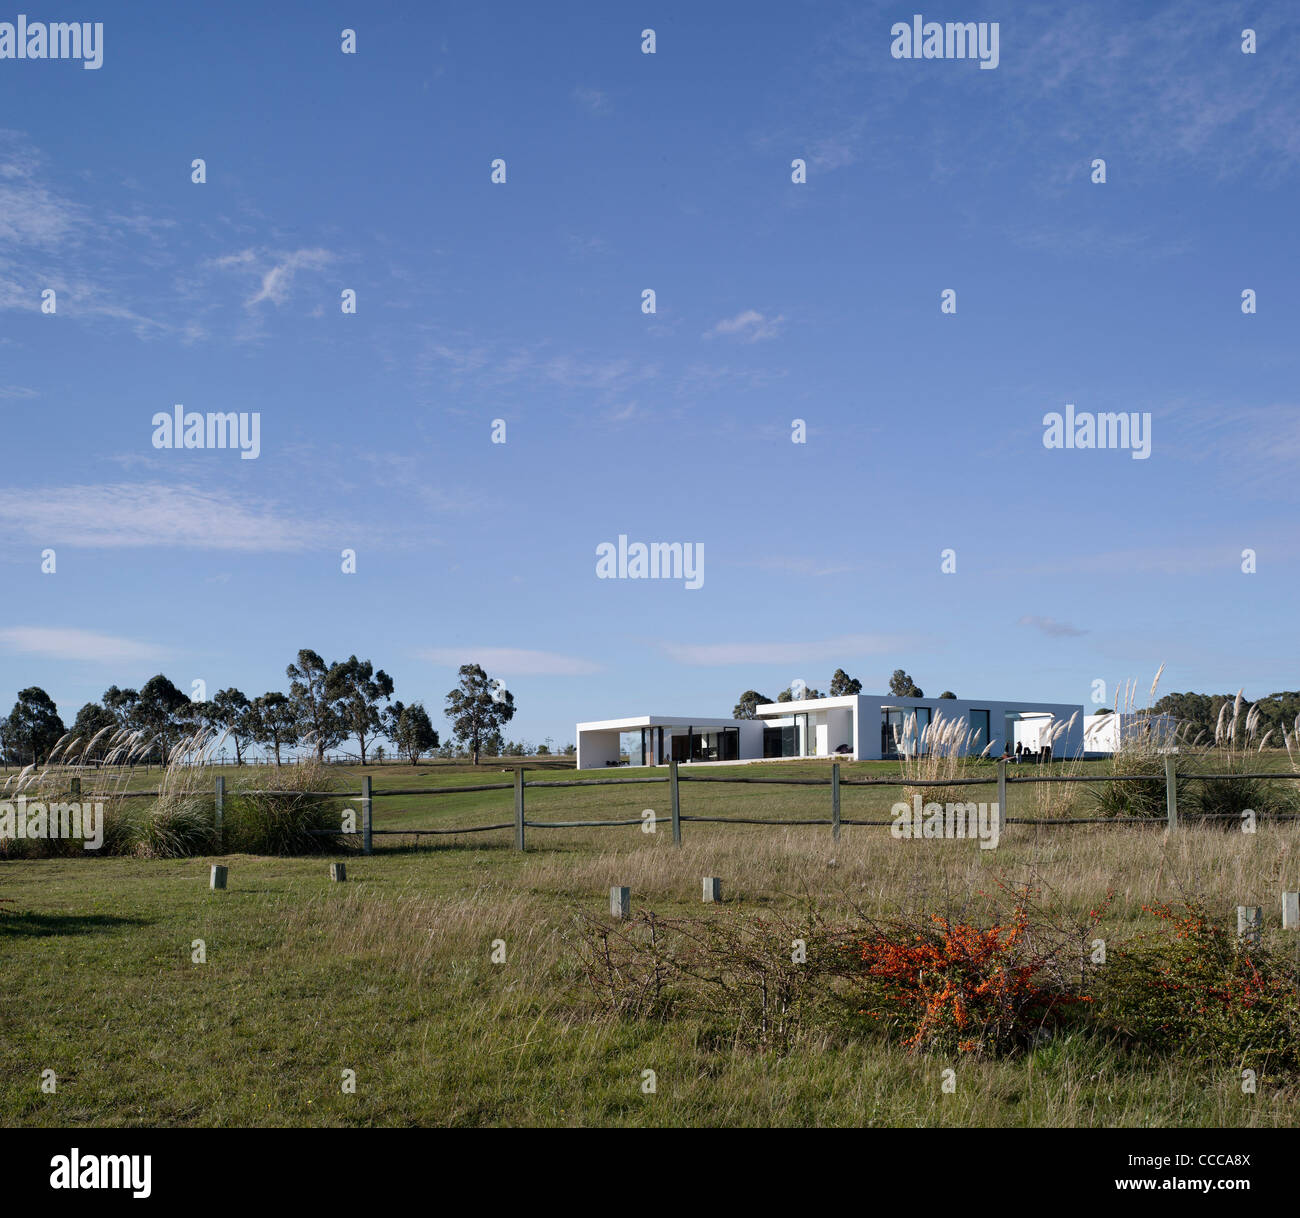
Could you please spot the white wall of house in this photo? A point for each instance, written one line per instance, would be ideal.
(854, 720)
(858, 718)
(598, 741)
(1103, 734)
(595, 748)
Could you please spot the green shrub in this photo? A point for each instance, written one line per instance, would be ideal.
(284, 814)
(1190, 988)
(1139, 796)
(173, 827)
(1226, 799)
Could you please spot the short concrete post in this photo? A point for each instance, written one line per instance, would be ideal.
(835, 803)
(1171, 792)
(76, 788)
(1250, 920)
(1002, 794)
(620, 902)
(1291, 911)
(338, 872)
(712, 889)
(218, 877)
(219, 814)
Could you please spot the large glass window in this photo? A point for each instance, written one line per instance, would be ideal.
(891, 728)
(979, 722)
(922, 743)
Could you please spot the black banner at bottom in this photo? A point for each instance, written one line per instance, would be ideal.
(140, 1167)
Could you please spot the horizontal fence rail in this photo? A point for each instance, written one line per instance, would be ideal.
(999, 777)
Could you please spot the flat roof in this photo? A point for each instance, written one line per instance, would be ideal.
(638, 721)
(802, 705)
(805, 705)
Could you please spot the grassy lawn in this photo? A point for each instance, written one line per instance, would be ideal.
(390, 975)
(703, 794)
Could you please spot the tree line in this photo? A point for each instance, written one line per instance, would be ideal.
(1201, 711)
(842, 685)
(326, 704)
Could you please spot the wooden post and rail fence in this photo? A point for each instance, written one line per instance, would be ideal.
(835, 819)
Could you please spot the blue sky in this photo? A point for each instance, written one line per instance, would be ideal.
(775, 301)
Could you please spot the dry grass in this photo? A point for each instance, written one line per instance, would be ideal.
(391, 974)
(938, 752)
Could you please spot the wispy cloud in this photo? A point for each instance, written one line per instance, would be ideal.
(594, 101)
(49, 240)
(275, 272)
(67, 643)
(843, 648)
(31, 212)
(511, 661)
(108, 516)
(1050, 626)
(751, 326)
(495, 365)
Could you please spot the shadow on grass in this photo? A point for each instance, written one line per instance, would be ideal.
(434, 845)
(36, 925)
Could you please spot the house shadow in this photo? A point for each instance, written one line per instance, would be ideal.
(24, 924)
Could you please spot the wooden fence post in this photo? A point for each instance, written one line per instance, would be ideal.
(367, 817)
(219, 819)
(1002, 794)
(1291, 911)
(1171, 791)
(519, 808)
(835, 801)
(675, 796)
(217, 877)
(1250, 918)
(620, 903)
(76, 788)
(712, 889)
(338, 872)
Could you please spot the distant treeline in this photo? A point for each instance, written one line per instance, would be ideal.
(326, 704)
(1201, 712)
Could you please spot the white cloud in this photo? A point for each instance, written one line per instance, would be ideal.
(1049, 625)
(111, 516)
(67, 643)
(511, 661)
(595, 101)
(845, 647)
(31, 213)
(751, 326)
(277, 278)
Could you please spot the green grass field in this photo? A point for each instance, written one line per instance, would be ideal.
(390, 974)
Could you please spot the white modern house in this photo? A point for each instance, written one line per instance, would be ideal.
(1103, 734)
(860, 727)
